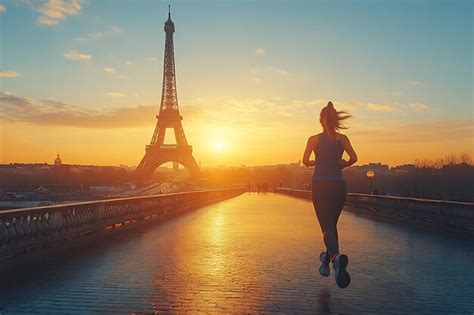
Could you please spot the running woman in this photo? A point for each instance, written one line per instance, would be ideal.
(328, 186)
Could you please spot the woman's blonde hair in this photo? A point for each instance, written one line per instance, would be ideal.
(331, 120)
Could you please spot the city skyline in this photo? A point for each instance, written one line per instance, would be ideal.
(92, 86)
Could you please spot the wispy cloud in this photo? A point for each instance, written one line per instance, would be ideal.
(99, 35)
(418, 106)
(143, 60)
(54, 11)
(260, 52)
(243, 111)
(261, 74)
(51, 112)
(396, 107)
(54, 113)
(2, 8)
(75, 55)
(271, 112)
(110, 70)
(381, 107)
(274, 70)
(115, 94)
(114, 72)
(422, 132)
(8, 74)
(318, 104)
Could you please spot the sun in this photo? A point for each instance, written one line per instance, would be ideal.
(218, 146)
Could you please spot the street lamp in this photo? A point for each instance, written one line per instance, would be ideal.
(370, 175)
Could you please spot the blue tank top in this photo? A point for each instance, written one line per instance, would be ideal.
(328, 159)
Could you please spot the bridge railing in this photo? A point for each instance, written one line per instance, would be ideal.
(451, 214)
(23, 230)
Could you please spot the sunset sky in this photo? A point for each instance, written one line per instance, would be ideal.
(83, 78)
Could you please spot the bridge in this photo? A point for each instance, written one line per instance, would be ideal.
(228, 251)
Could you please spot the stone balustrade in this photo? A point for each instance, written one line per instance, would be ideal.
(25, 230)
(441, 213)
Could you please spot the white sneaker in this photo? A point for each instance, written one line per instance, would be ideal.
(340, 262)
(324, 269)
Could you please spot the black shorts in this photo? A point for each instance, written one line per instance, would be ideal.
(329, 196)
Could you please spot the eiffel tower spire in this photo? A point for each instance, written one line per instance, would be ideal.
(169, 97)
(158, 152)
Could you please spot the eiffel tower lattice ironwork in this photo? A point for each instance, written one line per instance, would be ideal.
(158, 153)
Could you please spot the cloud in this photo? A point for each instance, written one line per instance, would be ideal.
(110, 70)
(381, 107)
(51, 112)
(421, 132)
(75, 55)
(8, 74)
(260, 74)
(114, 71)
(136, 61)
(318, 104)
(99, 35)
(46, 21)
(278, 71)
(115, 94)
(260, 52)
(395, 107)
(54, 113)
(418, 106)
(2, 8)
(266, 113)
(54, 11)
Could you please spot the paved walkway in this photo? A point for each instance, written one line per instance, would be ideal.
(251, 253)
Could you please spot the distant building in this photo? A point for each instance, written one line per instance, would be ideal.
(57, 160)
(405, 168)
(372, 167)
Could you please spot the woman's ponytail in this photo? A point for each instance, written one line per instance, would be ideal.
(331, 120)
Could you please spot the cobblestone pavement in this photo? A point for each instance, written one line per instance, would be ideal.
(250, 254)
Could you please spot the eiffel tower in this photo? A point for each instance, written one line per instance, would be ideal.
(157, 152)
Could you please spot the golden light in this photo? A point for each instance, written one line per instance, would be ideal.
(218, 146)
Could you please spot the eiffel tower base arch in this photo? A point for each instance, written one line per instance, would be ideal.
(159, 155)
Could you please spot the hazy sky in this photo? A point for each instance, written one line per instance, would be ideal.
(84, 78)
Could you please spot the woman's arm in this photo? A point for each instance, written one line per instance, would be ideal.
(350, 150)
(307, 152)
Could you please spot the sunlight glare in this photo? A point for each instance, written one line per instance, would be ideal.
(218, 146)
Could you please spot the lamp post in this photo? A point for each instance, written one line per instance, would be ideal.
(370, 175)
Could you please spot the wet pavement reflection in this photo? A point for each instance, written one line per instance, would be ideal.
(251, 253)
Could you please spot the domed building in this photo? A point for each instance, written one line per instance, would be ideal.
(57, 160)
